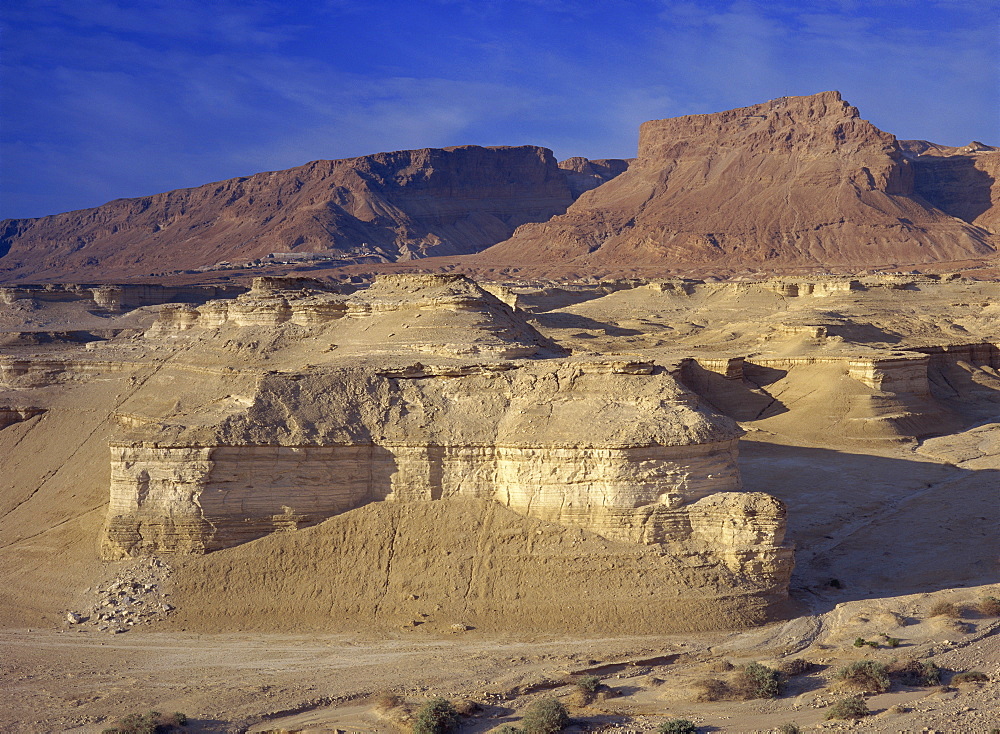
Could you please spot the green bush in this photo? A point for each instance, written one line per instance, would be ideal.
(757, 681)
(860, 642)
(891, 641)
(915, 673)
(437, 716)
(588, 683)
(545, 716)
(677, 726)
(865, 675)
(789, 729)
(507, 729)
(848, 708)
(152, 722)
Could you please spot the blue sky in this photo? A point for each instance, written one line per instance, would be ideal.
(103, 99)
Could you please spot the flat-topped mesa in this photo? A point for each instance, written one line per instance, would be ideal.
(797, 181)
(618, 448)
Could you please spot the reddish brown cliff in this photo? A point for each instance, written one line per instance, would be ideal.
(383, 207)
(795, 181)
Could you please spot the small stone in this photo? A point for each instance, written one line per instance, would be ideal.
(166, 607)
(73, 618)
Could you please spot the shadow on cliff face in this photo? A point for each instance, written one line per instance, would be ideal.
(869, 526)
(954, 185)
(573, 321)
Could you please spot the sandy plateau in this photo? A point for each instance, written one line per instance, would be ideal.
(265, 507)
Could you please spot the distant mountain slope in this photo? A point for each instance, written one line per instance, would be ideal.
(380, 208)
(795, 181)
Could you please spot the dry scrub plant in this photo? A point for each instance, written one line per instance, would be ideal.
(795, 666)
(750, 681)
(586, 690)
(989, 607)
(914, 673)
(152, 722)
(848, 708)
(972, 676)
(437, 716)
(757, 681)
(866, 676)
(945, 609)
(677, 726)
(545, 716)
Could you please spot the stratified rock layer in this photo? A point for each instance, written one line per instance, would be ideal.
(798, 181)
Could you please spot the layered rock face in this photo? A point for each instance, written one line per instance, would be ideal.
(377, 208)
(795, 181)
(617, 448)
(491, 411)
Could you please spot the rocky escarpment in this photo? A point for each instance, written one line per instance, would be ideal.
(377, 208)
(798, 181)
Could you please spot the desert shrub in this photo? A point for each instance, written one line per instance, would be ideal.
(507, 729)
(722, 666)
(848, 708)
(789, 729)
(386, 700)
(973, 676)
(437, 716)
(465, 706)
(152, 722)
(891, 641)
(989, 606)
(585, 690)
(545, 716)
(677, 726)
(944, 609)
(860, 642)
(757, 681)
(914, 673)
(795, 666)
(712, 689)
(867, 676)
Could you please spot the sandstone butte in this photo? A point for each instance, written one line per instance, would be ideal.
(797, 181)
(376, 208)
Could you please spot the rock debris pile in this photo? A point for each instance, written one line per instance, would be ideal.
(134, 596)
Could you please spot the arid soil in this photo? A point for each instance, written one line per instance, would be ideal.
(872, 410)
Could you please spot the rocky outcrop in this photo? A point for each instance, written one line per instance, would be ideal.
(798, 181)
(377, 208)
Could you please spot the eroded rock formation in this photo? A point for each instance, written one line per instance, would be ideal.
(617, 447)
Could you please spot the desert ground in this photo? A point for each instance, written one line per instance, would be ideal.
(870, 406)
